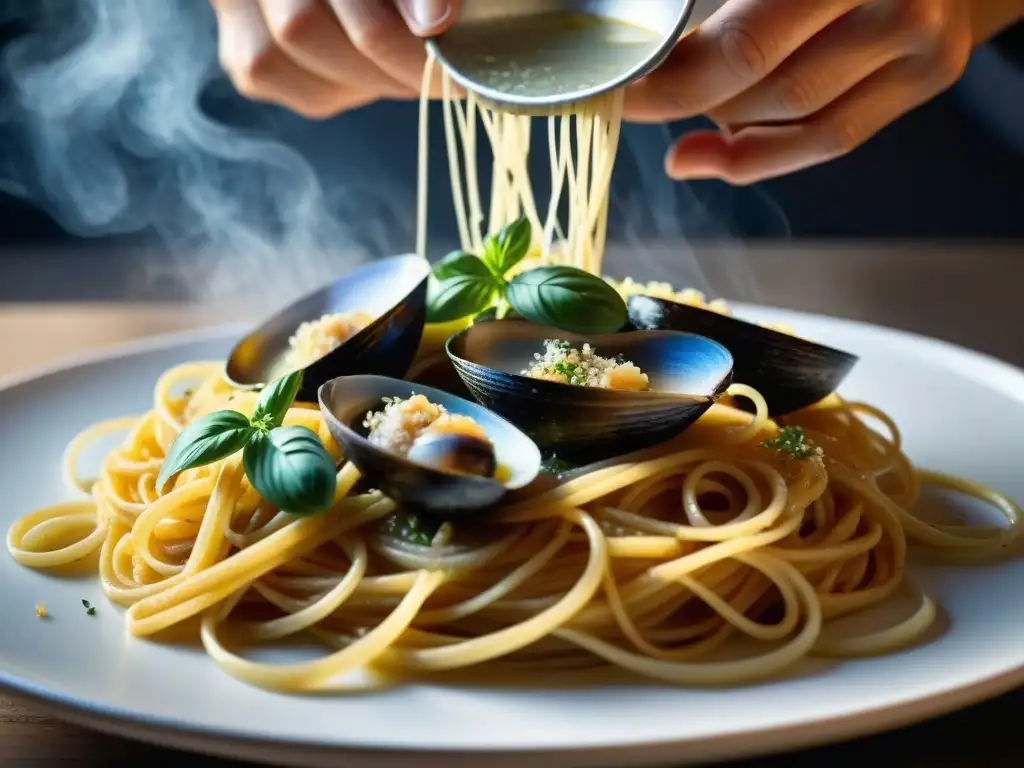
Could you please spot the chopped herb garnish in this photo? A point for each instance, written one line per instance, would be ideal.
(90, 609)
(411, 528)
(555, 466)
(790, 440)
(573, 373)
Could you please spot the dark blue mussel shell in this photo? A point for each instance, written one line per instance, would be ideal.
(392, 290)
(687, 374)
(791, 373)
(345, 402)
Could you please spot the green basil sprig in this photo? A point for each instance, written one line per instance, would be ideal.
(465, 285)
(510, 246)
(275, 400)
(211, 438)
(288, 466)
(290, 469)
(567, 298)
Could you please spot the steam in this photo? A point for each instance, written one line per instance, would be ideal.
(664, 230)
(115, 104)
(106, 97)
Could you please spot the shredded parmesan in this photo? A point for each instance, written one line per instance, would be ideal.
(402, 422)
(564, 364)
(316, 338)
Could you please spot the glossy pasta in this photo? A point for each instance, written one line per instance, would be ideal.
(583, 142)
(649, 563)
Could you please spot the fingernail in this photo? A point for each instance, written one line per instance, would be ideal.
(429, 13)
(684, 165)
(700, 155)
(693, 169)
(692, 173)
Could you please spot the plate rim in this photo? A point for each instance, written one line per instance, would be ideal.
(169, 733)
(808, 732)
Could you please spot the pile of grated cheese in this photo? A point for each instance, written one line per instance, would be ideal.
(402, 421)
(657, 290)
(316, 338)
(564, 364)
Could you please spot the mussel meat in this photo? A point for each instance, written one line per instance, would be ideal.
(367, 322)
(458, 454)
(791, 373)
(462, 461)
(678, 377)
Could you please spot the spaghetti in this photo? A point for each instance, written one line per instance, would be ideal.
(583, 141)
(651, 562)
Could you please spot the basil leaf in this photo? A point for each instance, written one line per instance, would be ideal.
(291, 469)
(211, 438)
(459, 296)
(458, 264)
(567, 298)
(275, 400)
(510, 246)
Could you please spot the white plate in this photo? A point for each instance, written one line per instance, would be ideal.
(961, 412)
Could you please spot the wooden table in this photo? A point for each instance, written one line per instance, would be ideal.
(984, 735)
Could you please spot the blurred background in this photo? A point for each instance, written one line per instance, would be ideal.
(132, 174)
(139, 194)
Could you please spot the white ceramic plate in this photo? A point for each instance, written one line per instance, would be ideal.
(961, 412)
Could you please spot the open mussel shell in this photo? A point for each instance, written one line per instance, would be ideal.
(687, 374)
(426, 487)
(791, 373)
(393, 291)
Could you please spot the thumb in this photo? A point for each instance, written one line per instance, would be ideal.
(427, 18)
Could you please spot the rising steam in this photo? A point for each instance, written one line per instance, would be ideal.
(107, 95)
(114, 102)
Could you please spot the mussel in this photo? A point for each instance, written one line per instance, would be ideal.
(391, 291)
(460, 454)
(791, 373)
(446, 473)
(687, 373)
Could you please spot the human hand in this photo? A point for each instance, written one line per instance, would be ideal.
(321, 57)
(795, 83)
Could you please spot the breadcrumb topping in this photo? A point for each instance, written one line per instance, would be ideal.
(316, 338)
(402, 421)
(564, 364)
